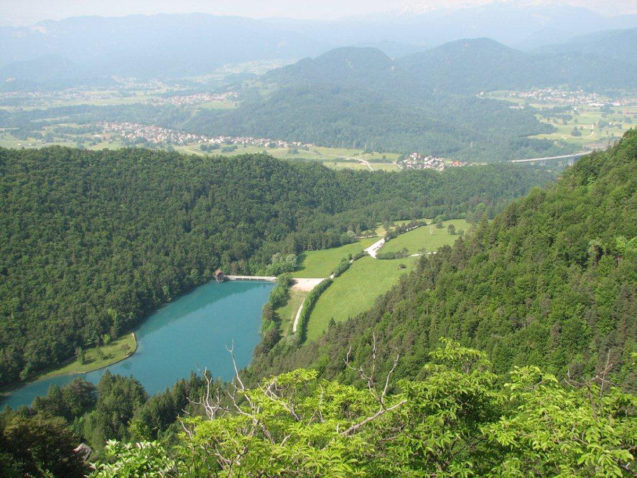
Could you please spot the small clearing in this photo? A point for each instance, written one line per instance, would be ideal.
(305, 284)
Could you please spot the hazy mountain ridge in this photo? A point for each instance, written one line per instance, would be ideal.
(180, 45)
(525, 27)
(616, 44)
(154, 46)
(473, 65)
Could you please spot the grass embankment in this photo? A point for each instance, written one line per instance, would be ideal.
(428, 238)
(356, 290)
(320, 264)
(288, 312)
(99, 357)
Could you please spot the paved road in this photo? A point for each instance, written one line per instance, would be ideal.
(373, 249)
(263, 278)
(548, 158)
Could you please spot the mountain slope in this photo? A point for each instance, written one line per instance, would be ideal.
(552, 281)
(358, 97)
(358, 66)
(474, 65)
(468, 66)
(615, 44)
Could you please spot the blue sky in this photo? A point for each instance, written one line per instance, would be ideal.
(24, 12)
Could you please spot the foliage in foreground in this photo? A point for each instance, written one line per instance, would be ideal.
(459, 420)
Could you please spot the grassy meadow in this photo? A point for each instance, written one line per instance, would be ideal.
(597, 125)
(356, 290)
(99, 357)
(427, 238)
(320, 264)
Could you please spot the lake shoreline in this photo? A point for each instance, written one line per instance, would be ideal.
(186, 335)
(57, 372)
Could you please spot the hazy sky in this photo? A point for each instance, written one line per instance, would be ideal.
(24, 12)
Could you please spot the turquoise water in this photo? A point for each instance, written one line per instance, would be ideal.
(190, 334)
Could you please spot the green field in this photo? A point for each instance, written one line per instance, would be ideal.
(587, 120)
(355, 291)
(598, 125)
(430, 238)
(345, 165)
(99, 357)
(320, 264)
(336, 158)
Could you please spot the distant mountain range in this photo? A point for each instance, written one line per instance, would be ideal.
(347, 97)
(619, 45)
(470, 66)
(600, 61)
(520, 26)
(169, 46)
(151, 46)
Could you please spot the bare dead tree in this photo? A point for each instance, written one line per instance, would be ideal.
(369, 377)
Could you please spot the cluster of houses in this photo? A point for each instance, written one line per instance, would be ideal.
(421, 161)
(566, 97)
(151, 134)
(196, 99)
(158, 135)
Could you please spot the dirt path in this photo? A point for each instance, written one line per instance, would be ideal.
(303, 285)
(362, 161)
(298, 316)
(366, 163)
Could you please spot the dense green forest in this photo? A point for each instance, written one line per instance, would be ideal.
(550, 282)
(92, 242)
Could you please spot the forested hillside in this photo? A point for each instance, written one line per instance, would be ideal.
(547, 289)
(616, 44)
(552, 281)
(91, 242)
(359, 97)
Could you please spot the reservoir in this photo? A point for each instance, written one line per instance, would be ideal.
(190, 334)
